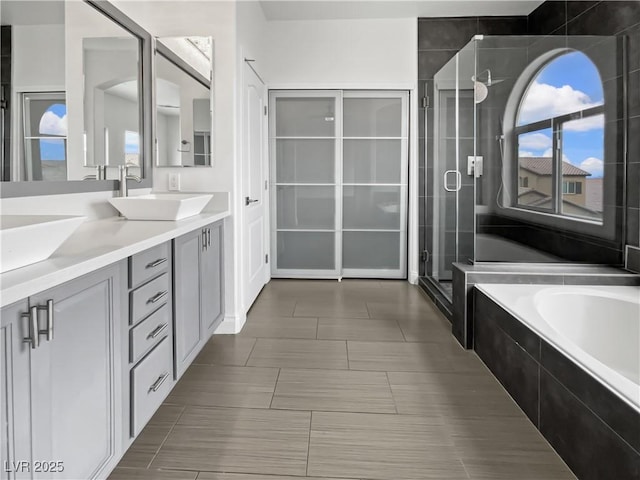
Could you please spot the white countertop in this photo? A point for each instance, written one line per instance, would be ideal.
(94, 245)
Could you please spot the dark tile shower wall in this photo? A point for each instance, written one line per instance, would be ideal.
(5, 83)
(439, 39)
(606, 18)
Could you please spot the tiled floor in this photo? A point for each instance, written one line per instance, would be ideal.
(352, 380)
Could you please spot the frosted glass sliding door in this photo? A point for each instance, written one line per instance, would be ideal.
(304, 141)
(374, 184)
(339, 183)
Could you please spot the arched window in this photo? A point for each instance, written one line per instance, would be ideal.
(559, 137)
(45, 135)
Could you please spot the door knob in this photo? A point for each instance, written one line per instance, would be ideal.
(248, 201)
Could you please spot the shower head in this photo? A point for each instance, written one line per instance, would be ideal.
(480, 91)
(480, 87)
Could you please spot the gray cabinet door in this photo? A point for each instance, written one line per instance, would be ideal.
(75, 376)
(15, 395)
(211, 279)
(186, 290)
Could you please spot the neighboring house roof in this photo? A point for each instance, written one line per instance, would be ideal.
(594, 194)
(534, 198)
(544, 166)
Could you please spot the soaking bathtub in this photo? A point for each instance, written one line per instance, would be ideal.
(597, 327)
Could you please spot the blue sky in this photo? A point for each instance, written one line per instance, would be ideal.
(53, 122)
(131, 142)
(569, 83)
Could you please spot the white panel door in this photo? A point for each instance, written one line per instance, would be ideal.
(255, 272)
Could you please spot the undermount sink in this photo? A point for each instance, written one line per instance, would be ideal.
(161, 206)
(27, 239)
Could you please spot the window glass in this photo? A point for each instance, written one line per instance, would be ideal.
(569, 83)
(45, 136)
(560, 139)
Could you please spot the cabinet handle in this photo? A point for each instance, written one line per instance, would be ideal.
(204, 239)
(208, 237)
(33, 338)
(160, 261)
(49, 309)
(158, 296)
(158, 331)
(156, 385)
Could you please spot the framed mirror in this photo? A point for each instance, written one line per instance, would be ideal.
(76, 96)
(183, 100)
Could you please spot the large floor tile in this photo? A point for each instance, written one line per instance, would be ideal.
(280, 327)
(226, 350)
(451, 394)
(519, 467)
(331, 306)
(506, 447)
(359, 329)
(225, 386)
(247, 476)
(333, 390)
(427, 330)
(293, 353)
(410, 357)
(403, 311)
(238, 440)
(378, 446)
(275, 306)
(146, 445)
(144, 474)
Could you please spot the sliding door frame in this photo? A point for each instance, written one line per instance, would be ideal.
(339, 96)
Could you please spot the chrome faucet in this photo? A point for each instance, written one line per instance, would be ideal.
(123, 176)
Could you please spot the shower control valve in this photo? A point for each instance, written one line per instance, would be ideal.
(474, 166)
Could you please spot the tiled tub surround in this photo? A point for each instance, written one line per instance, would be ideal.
(466, 276)
(596, 431)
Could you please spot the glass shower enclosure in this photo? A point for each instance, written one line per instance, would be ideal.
(518, 125)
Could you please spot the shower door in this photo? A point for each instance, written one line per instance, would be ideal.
(453, 184)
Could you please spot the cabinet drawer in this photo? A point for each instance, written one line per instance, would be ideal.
(151, 381)
(146, 265)
(150, 332)
(149, 297)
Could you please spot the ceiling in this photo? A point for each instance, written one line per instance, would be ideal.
(355, 9)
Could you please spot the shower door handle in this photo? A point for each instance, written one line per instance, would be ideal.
(458, 181)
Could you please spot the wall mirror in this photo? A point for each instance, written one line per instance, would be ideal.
(183, 72)
(73, 97)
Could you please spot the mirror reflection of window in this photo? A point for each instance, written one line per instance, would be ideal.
(132, 148)
(560, 139)
(45, 136)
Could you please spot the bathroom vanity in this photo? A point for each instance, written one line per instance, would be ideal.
(94, 338)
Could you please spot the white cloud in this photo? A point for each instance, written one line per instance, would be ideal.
(585, 124)
(549, 153)
(52, 124)
(545, 101)
(526, 153)
(594, 166)
(535, 141)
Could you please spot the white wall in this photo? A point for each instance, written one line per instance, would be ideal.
(216, 19)
(342, 53)
(358, 54)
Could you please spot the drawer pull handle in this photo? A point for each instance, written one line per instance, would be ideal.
(158, 296)
(33, 338)
(160, 261)
(156, 385)
(158, 331)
